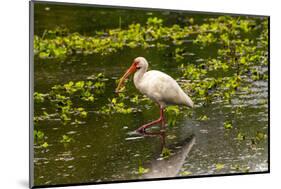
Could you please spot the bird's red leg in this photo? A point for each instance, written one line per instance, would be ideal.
(163, 118)
(159, 120)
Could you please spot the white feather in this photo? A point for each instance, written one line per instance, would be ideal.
(159, 86)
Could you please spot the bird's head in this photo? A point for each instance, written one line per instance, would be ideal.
(139, 63)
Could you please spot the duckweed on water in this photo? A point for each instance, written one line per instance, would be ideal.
(236, 53)
(237, 58)
(61, 98)
(63, 43)
(115, 107)
(103, 43)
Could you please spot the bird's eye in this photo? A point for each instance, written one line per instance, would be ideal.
(138, 68)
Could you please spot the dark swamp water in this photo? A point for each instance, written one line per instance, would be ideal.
(102, 146)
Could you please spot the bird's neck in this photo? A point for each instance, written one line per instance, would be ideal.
(138, 76)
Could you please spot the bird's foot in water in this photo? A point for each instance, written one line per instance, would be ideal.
(163, 130)
(141, 130)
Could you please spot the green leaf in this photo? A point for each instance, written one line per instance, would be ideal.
(45, 145)
(114, 100)
(219, 166)
(185, 173)
(80, 109)
(166, 152)
(173, 109)
(227, 125)
(66, 139)
(83, 114)
(143, 170)
(91, 98)
(260, 136)
(39, 135)
(240, 136)
(39, 97)
(204, 118)
(44, 55)
(79, 84)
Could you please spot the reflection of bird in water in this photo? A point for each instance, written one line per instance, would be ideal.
(156, 85)
(171, 165)
(161, 135)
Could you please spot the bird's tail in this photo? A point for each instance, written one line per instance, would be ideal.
(189, 102)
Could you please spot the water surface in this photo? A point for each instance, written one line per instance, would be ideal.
(103, 149)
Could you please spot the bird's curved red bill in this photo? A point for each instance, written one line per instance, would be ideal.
(131, 70)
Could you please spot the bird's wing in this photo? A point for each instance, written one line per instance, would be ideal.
(163, 88)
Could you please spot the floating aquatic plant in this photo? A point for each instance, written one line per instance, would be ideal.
(172, 113)
(115, 107)
(66, 139)
(166, 153)
(59, 43)
(227, 125)
(216, 78)
(61, 98)
(141, 169)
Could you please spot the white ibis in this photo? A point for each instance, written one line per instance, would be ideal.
(156, 85)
